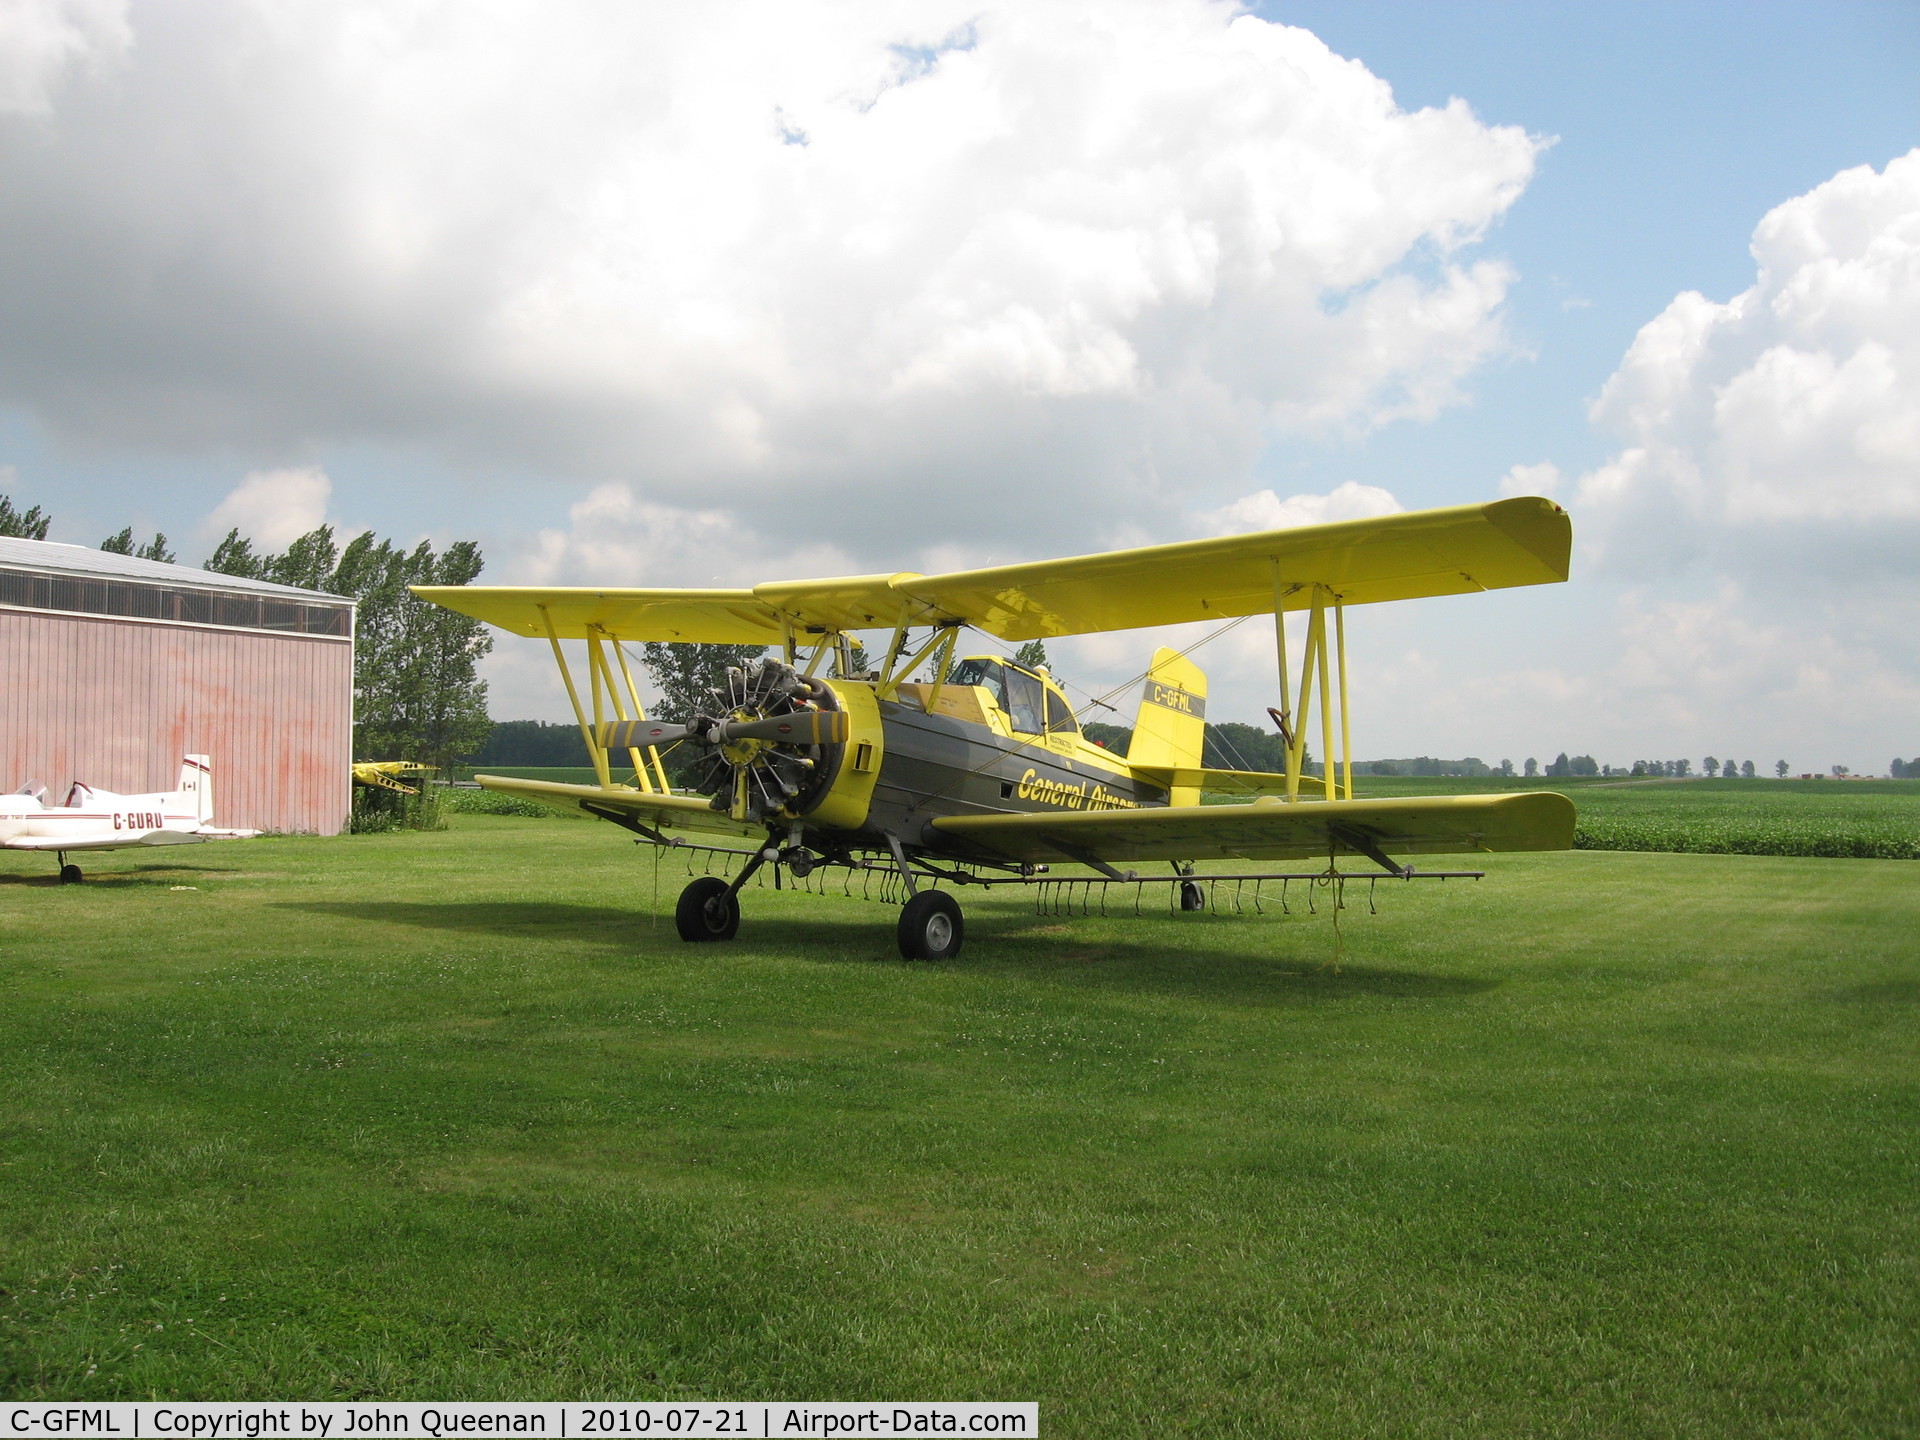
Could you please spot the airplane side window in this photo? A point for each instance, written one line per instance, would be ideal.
(1026, 702)
(1060, 719)
(988, 673)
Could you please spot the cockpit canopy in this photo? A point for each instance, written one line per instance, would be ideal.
(1033, 704)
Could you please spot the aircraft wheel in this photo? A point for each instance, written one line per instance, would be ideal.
(930, 927)
(1192, 897)
(707, 911)
(70, 875)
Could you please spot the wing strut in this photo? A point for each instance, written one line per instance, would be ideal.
(1315, 666)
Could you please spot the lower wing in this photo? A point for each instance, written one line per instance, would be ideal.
(654, 810)
(121, 842)
(1276, 830)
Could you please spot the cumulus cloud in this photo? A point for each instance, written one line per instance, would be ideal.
(273, 507)
(856, 270)
(1778, 433)
(1542, 479)
(1265, 510)
(43, 42)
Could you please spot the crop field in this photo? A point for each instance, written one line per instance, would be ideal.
(1867, 819)
(1604, 1144)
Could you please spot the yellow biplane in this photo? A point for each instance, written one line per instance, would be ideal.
(978, 773)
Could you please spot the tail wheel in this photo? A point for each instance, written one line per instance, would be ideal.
(1192, 897)
(708, 910)
(930, 927)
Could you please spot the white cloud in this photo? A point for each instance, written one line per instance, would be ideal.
(614, 537)
(1542, 479)
(43, 41)
(273, 507)
(856, 270)
(1779, 433)
(1264, 510)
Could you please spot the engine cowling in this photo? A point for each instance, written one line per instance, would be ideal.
(782, 746)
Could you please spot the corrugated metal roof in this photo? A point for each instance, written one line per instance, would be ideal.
(51, 557)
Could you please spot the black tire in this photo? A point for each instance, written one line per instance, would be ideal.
(1192, 897)
(931, 927)
(707, 911)
(70, 875)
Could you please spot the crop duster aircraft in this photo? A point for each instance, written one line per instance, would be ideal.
(979, 774)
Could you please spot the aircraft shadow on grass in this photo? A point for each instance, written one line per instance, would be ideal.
(1271, 966)
(159, 873)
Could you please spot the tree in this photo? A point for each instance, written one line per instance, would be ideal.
(1780, 768)
(1231, 745)
(154, 549)
(1533, 767)
(1583, 765)
(1711, 766)
(1506, 767)
(687, 674)
(1680, 767)
(1746, 769)
(1033, 655)
(23, 524)
(234, 556)
(417, 690)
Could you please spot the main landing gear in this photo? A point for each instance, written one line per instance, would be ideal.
(708, 910)
(930, 926)
(69, 874)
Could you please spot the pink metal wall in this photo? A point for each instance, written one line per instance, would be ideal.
(116, 703)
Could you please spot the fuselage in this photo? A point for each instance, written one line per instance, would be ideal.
(98, 820)
(963, 751)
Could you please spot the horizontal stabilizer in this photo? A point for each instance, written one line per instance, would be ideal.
(1275, 830)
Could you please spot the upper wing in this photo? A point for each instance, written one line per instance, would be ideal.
(1275, 830)
(659, 812)
(1525, 541)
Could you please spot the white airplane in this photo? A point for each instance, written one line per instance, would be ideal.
(101, 820)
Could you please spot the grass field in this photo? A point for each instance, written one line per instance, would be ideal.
(1605, 1144)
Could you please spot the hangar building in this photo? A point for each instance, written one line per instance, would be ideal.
(112, 668)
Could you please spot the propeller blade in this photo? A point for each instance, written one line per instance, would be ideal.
(637, 734)
(803, 727)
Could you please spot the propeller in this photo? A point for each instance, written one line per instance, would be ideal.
(799, 727)
(768, 741)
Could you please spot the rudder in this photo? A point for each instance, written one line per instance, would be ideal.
(196, 783)
(1170, 727)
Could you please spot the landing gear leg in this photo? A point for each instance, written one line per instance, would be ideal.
(930, 925)
(1192, 897)
(69, 874)
(709, 908)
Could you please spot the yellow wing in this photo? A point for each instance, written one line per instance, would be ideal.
(656, 811)
(1524, 541)
(1275, 830)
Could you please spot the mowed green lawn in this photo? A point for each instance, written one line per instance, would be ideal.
(1602, 1144)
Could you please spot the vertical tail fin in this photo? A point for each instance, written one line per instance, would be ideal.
(196, 782)
(1171, 726)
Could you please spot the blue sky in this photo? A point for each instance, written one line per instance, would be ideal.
(1677, 126)
(1101, 274)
